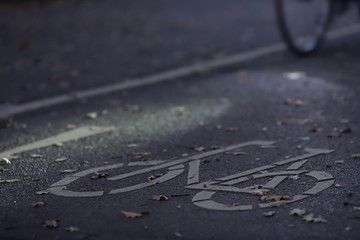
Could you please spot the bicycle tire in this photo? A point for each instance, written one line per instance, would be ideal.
(291, 41)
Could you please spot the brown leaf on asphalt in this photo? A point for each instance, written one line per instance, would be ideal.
(38, 204)
(274, 198)
(72, 229)
(278, 204)
(43, 192)
(356, 155)
(137, 155)
(91, 115)
(269, 214)
(59, 144)
(153, 177)
(98, 175)
(257, 193)
(334, 135)
(34, 155)
(339, 161)
(159, 197)
(144, 211)
(51, 223)
(6, 160)
(346, 130)
(310, 218)
(131, 214)
(10, 180)
(298, 212)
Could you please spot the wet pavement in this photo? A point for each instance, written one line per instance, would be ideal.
(264, 149)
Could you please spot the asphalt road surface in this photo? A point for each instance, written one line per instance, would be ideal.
(207, 127)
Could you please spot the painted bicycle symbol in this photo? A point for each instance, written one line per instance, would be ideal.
(206, 190)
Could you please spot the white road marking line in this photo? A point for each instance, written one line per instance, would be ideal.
(193, 173)
(7, 110)
(63, 137)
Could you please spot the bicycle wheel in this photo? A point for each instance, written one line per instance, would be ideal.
(303, 23)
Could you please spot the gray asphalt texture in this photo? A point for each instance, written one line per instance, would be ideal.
(244, 102)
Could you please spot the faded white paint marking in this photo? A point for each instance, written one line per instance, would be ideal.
(246, 173)
(235, 181)
(146, 163)
(320, 176)
(319, 187)
(212, 205)
(280, 173)
(203, 195)
(272, 184)
(61, 191)
(169, 175)
(297, 165)
(312, 152)
(193, 174)
(63, 137)
(188, 159)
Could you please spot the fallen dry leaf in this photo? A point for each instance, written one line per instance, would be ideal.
(346, 130)
(59, 144)
(131, 214)
(6, 160)
(257, 193)
(51, 223)
(153, 177)
(339, 161)
(278, 204)
(356, 155)
(298, 212)
(140, 155)
(334, 135)
(9, 180)
(144, 211)
(293, 177)
(42, 192)
(61, 159)
(274, 198)
(34, 155)
(159, 197)
(72, 229)
(269, 214)
(356, 208)
(310, 218)
(91, 115)
(38, 204)
(98, 175)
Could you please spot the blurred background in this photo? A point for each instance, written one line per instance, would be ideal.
(51, 47)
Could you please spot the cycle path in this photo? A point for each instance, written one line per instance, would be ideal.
(185, 134)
